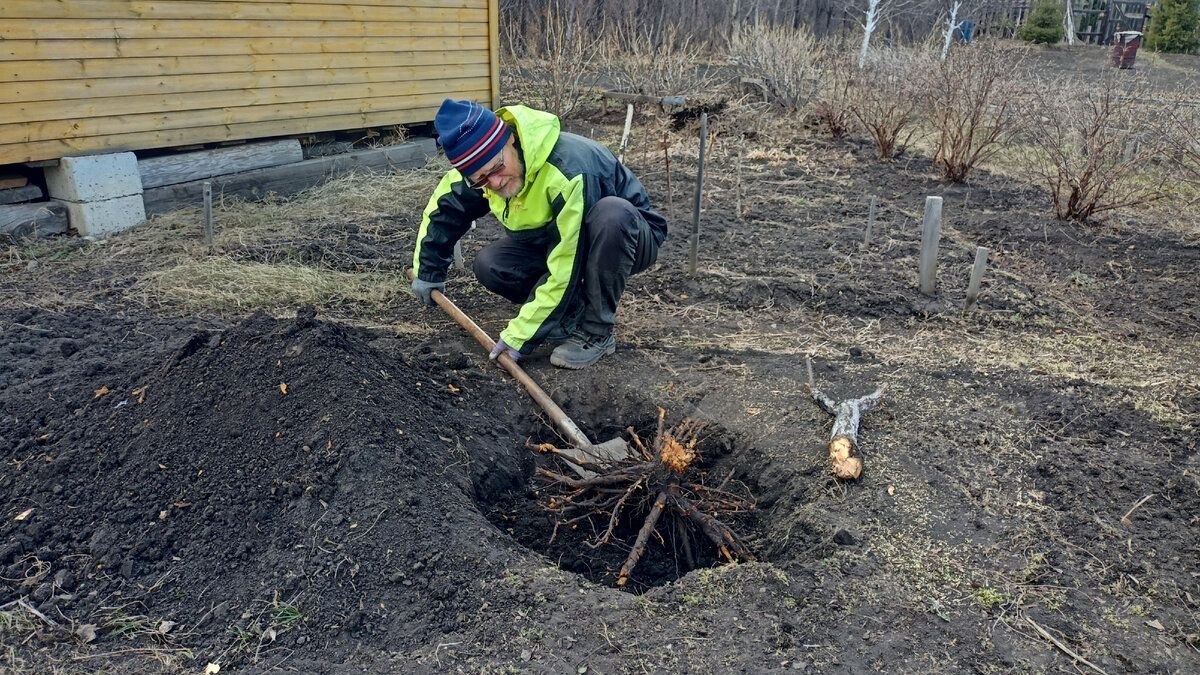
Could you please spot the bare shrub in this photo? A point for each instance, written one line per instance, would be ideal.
(831, 105)
(973, 103)
(784, 59)
(1097, 148)
(662, 64)
(558, 59)
(1184, 132)
(884, 100)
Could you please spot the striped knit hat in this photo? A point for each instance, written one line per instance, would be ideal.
(470, 133)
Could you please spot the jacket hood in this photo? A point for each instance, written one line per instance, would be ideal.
(537, 132)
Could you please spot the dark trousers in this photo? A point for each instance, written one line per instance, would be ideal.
(617, 243)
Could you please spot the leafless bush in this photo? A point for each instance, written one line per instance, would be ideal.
(831, 105)
(559, 56)
(1098, 148)
(783, 59)
(884, 100)
(1189, 145)
(973, 102)
(665, 64)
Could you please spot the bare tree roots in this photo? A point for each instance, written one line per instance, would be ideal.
(662, 479)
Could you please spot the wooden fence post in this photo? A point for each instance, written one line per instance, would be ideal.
(981, 256)
(625, 134)
(931, 232)
(870, 223)
(695, 252)
(208, 214)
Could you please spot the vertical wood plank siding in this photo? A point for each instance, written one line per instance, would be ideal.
(106, 75)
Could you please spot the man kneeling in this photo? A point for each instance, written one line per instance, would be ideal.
(577, 224)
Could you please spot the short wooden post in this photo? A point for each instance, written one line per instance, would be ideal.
(670, 194)
(981, 256)
(741, 142)
(870, 223)
(625, 134)
(208, 214)
(695, 252)
(931, 232)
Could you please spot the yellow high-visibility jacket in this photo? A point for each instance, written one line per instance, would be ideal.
(565, 175)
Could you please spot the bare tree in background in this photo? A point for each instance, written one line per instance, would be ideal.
(563, 53)
(870, 22)
(1069, 23)
(952, 24)
(874, 15)
(712, 23)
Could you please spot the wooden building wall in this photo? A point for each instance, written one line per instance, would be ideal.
(82, 76)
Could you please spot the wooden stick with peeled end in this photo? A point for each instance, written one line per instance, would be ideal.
(843, 443)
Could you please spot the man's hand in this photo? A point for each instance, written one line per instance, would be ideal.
(502, 348)
(424, 290)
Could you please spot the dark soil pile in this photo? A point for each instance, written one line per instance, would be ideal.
(276, 483)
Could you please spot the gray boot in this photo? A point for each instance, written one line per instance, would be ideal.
(582, 350)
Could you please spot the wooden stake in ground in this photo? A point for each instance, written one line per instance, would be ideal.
(663, 479)
(695, 247)
(666, 146)
(208, 215)
(931, 232)
(870, 223)
(981, 256)
(843, 443)
(625, 134)
(741, 142)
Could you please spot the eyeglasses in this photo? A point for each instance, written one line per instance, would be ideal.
(482, 181)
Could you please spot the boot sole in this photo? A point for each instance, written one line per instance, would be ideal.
(579, 365)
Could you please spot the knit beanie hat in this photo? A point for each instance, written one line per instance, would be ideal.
(470, 133)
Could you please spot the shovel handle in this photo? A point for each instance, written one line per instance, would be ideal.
(556, 414)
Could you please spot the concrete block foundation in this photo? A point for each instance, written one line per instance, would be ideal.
(95, 177)
(109, 216)
(102, 193)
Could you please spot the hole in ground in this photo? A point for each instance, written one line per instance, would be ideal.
(524, 513)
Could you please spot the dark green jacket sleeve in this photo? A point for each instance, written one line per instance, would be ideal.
(447, 218)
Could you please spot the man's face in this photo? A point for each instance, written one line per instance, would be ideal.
(504, 175)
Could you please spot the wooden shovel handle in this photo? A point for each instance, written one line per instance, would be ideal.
(556, 414)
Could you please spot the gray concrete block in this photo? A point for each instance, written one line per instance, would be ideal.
(102, 218)
(94, 178)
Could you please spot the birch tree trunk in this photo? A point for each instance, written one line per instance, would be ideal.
(1069, 23)
(872, 22)
(951, 26)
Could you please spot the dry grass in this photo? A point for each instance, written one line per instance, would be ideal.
(364, 200)
(225, 285)
(256, 261)
(1151, 377)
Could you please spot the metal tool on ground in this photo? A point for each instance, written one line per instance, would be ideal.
(585, 452)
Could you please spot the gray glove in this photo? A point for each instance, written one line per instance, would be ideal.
(502, 347)
(424, 290)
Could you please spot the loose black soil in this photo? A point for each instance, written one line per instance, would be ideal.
(332, 491)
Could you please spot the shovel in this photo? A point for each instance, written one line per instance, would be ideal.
(584, 451)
